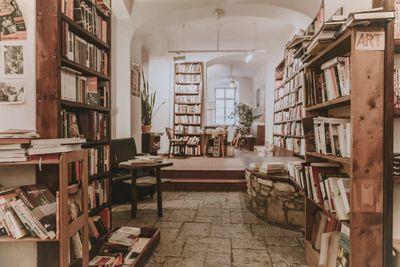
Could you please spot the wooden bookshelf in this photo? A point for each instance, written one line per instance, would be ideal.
(59, 247)
(192, 107)
(55, 114)
(288, 99)
(370, 101)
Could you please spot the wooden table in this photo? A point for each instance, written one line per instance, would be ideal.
(208, 136)
(134, 167)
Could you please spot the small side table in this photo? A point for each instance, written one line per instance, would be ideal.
(134, 167)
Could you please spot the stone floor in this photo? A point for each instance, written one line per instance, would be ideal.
(213, 229)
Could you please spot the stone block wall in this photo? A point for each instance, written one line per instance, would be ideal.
(277, 202)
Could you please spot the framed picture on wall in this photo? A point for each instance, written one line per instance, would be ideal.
(258, 95)
(135, 79)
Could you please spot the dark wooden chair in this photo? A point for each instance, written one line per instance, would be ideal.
(176, 139)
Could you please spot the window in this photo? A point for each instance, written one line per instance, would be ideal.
(225, 100)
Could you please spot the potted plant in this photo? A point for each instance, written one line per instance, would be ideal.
(244, 115)
(148, 101)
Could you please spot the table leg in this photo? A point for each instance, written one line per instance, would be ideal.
(159, 194)
(133, 194)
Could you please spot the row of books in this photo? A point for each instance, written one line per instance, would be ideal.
(99, 159)
(296, 113)
(68, 6)
(332, 240)
(83, 52)
(188, 68)
(295, 145)
(292, 69)
(83, 89)
(187, 99)
(187, 108)
(28, 210)
(121, 248)
(189, 150)
(333, 136)
(188, 78)
(292, 98)
(97, 228)
(98, 193)
(188, 129)
(290, 128)
(187, 88)
(396, 83)
(194, 140)
(91, 124)
(334, 81)
(187, 119)
(89, 19)
(290, 87)
(325, 185)
(285, 103)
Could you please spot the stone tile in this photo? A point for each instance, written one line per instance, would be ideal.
(250, 257)
(233, 205)
(207, 219)
(150, 264)
(142, 220)
(156, 259)
(183, 262)
(215, 198)
(169, 249)
(182, 215)
(231, 231)
(213, 212)
(195, 196)
(168, 225)
(214, 205)
(195, 229)
(267, 230)
(288, 255)
(174, 195)
(169, 235)
(282, 264)
(173, 204)
(245, 243)
(218, 260)
(192, 203)
(244, 217)
(290, 233)
(207, 245)
(282, 241)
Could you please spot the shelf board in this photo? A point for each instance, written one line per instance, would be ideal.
(6, 238)
(96, 210)
(290, 136)
(187, 93)
(342, 160)
(288, 121)
(85, 34)
(195, 103)
(193, 124)
(99, 176)
(83, 69)
(187, 83)
(339, 47)
(188, 73)
(31, 162)
(341, 101)
(187, 113)
(78, 105)
(96, 142)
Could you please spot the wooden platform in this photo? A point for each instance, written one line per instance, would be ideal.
(205, 174)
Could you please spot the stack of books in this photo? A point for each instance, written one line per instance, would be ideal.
(13, 152)
(28, 211)
(122, 247)
(269, 168)
(52, 147)
(147, 159)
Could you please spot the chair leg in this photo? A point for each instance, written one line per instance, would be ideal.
(169, 149)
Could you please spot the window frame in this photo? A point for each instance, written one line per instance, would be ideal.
(234, 98)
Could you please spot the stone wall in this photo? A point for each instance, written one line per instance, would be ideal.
(277, 202)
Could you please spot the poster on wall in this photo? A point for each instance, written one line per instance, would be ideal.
(13, 59)
(135, 80)
(12, 23)
(12, 92)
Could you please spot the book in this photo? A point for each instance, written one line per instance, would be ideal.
(337, 199)
(344, 189)
(121, 238)
(42, 203)
(317, 230)
(343, 252)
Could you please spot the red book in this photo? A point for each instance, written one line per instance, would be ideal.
(105, 217)
(322, 167)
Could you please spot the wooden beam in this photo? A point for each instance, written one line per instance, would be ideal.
(367, 112)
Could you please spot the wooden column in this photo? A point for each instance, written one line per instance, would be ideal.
(367, 111)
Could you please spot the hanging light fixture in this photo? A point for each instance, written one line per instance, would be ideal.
(180, 56)
(232, 82)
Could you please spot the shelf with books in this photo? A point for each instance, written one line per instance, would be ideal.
(81, 106)
(103, 175)
(98, 209)
(396, 179)
(85, 34)
(5, 238)
(83, 69)
(290, 136)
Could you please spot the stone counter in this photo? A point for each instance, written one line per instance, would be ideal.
(276, 199)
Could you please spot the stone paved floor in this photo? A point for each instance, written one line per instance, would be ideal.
(213, 229)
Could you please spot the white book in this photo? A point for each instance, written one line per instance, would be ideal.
(344, 189)
(323, 253)
(337, 199)
(348, 139)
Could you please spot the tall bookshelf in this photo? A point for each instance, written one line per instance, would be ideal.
(188, 102)
(73, 67)
(366, 109)
(288, 102)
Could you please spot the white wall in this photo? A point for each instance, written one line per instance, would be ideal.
(23, 117)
